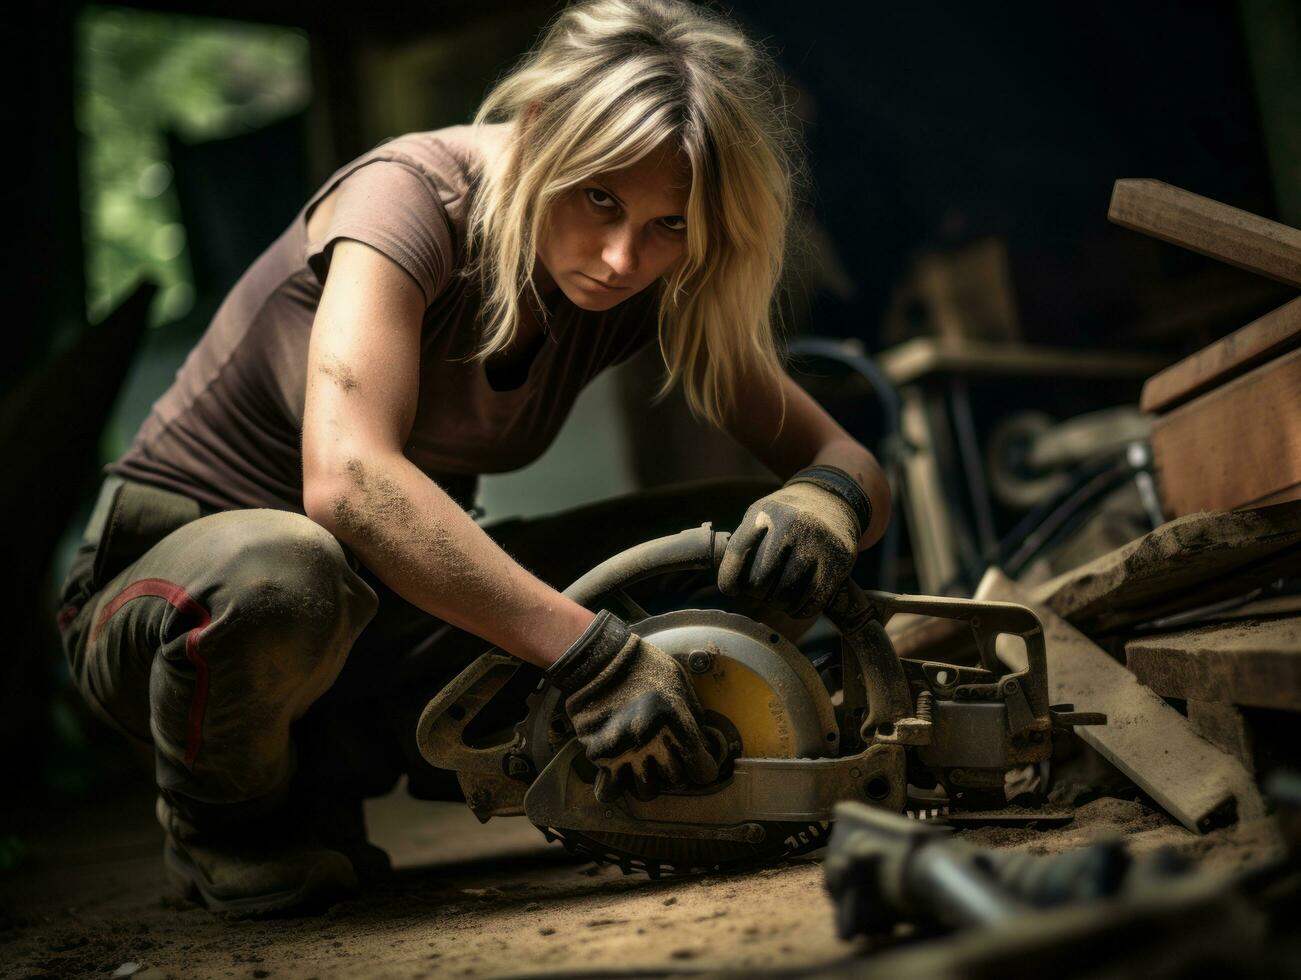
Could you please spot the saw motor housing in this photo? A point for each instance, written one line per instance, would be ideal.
(796, 750)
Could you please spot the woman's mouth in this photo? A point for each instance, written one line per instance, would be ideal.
(593, 283)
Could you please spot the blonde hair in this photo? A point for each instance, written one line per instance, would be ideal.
(610, 81)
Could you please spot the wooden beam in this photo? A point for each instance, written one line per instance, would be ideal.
(1273, 334)
(1226, 233)
(1144, 737)
(1224, 727)
(1238, 445)
(934, 550)
(1250, 662)
(915, 359)
(1187, 562)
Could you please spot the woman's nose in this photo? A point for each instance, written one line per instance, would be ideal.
(619, 252)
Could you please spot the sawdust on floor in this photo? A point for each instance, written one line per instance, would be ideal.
(472, 901)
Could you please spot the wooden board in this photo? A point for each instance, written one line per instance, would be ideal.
(933, 544)
(1144, 737)
(1224, 727)
(1280, 496)
(923, 356)
(1227, 358)
(1226, 233)
(1185, 563)
(1236, 445)
(1254, 662)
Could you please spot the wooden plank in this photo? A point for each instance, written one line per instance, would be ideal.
(1226, 233)
(1224, 727)
(1227, 358)
(1254, 662)
(928, 513)
(1234, 445)
(1185, 563)
(1144, 737)
(1278, 496)
(922, 356)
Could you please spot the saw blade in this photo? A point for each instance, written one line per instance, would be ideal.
(774, 703)
(666, 857)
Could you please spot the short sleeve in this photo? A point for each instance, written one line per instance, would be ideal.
(394, 208)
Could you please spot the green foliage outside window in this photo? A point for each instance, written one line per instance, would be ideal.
(142, 74)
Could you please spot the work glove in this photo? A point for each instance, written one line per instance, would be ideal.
(797, 545)
(635, 712)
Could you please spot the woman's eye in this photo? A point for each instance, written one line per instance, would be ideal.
(674, 223)
(600, 198)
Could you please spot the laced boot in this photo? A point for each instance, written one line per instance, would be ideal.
(264, 867)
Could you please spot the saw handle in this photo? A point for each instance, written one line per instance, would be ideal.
(696, 549)
(1025, 690)
(440, 732)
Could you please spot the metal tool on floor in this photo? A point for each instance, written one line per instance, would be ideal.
(796, 751)
(883, 869)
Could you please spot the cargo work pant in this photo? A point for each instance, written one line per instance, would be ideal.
(259, 657)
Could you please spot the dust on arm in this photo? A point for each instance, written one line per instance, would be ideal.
(362, 385)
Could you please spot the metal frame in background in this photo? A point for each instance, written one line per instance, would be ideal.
(920, 429)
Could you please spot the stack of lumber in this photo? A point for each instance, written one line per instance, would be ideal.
(1191, 634)
(1107, 653)
(1227, 432)
(1173, 697)
(1244, 654)
(1227, 436)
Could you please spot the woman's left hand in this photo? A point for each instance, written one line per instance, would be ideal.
(797, 545)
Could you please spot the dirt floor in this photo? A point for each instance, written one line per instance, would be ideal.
(467, 901)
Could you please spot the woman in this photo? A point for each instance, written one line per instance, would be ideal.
(259, 586)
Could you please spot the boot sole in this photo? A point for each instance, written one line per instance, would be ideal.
(315, 894)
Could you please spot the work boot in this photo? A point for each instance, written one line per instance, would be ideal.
(259, 868)
(339, 823)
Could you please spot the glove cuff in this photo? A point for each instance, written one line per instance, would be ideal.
(837, 481)
(588, 655)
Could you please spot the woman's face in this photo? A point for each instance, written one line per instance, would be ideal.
(612, 236)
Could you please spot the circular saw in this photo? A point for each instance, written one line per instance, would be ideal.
(796, 748)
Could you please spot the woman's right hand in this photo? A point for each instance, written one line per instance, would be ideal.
(635, 712)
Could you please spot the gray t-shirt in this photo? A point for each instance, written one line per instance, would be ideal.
(228, 432)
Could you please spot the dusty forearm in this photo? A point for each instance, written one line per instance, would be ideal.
(855, 459)
(426, 549)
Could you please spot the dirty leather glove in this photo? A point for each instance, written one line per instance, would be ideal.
(797, 545)
(635, 712)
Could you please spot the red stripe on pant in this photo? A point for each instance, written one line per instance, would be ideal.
(186, 605)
